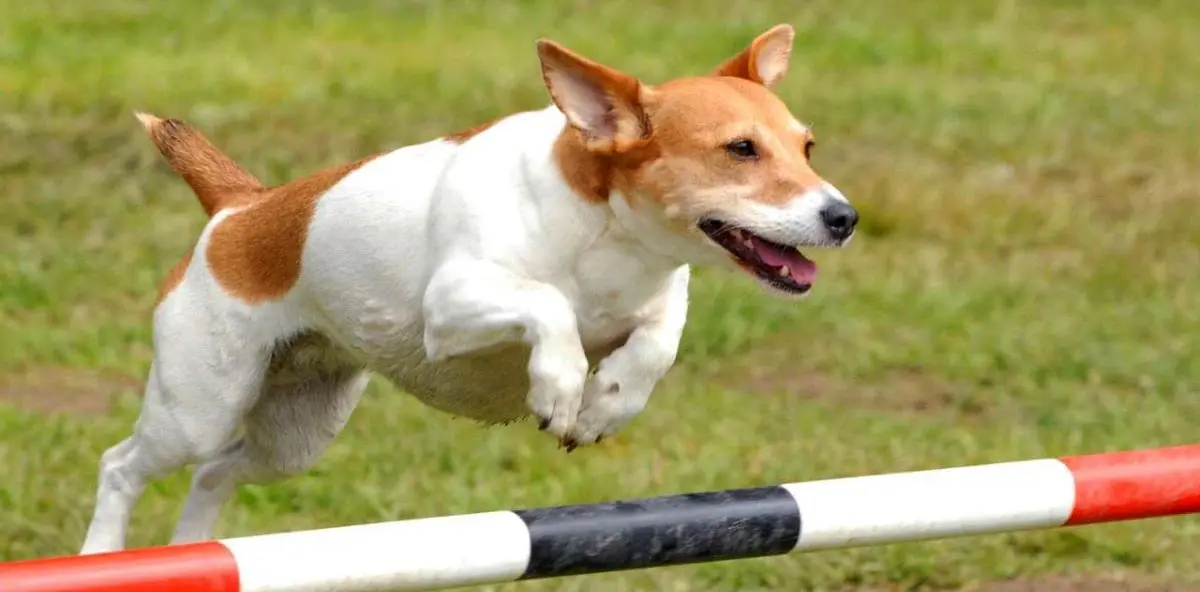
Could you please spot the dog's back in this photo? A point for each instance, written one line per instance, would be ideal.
(328, 272)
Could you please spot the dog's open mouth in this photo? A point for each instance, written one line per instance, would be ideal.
(780, 266)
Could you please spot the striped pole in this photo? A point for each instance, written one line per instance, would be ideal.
(494, 547)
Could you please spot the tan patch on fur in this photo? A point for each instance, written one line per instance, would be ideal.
(174, 277)
(695, 118)
(255, 253)
(461, 136)
(602, 104)
(589, 175)
(668, 143)
(692, 120)
(216, 179)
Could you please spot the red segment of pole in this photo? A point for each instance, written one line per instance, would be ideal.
(200, 567)
(1136, 484)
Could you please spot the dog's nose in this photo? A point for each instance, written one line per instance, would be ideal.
(839, 218)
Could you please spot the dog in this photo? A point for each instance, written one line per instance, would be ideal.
(537, 265)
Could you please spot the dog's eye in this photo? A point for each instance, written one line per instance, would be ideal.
(808, 148)
(742, 149)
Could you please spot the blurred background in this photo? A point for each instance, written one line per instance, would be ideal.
(1024, 283)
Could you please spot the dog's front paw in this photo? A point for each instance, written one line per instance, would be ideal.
(556, 395)
(611, 399)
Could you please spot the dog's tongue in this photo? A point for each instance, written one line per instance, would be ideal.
(799, 267)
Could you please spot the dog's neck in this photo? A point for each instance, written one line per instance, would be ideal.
(586, 182)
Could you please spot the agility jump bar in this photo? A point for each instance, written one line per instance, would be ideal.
(505, 546)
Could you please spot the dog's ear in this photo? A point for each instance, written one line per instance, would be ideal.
(765, 60)
(602, 103)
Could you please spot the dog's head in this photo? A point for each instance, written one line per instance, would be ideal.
(713, 168)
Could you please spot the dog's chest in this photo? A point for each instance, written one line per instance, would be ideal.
(492, 385)
(611, 292)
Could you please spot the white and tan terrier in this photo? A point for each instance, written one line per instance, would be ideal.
(538, 264)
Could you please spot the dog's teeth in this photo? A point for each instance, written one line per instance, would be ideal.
(784, 271)
(749, 244)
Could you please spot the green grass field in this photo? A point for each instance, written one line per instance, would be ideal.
(1025, 283)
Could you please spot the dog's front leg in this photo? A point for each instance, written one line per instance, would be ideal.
(471, 306)
(624, 380)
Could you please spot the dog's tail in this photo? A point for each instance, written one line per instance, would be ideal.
(216, 179)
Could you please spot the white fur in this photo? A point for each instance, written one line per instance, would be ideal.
(834, 192)
(441, 267)
(797, 222)
(471, 276)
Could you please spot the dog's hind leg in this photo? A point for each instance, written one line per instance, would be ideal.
(300, 412)
(196, 395)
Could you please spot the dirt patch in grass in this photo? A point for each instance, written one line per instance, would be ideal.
(779, 367)
(909, 390)
(1099, 583)
(1115, 582)
(906, 391)
(64, 390)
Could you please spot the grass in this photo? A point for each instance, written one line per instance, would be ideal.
(1025, 283)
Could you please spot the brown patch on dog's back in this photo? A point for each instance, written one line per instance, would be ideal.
(461, 136)
(255, 253)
